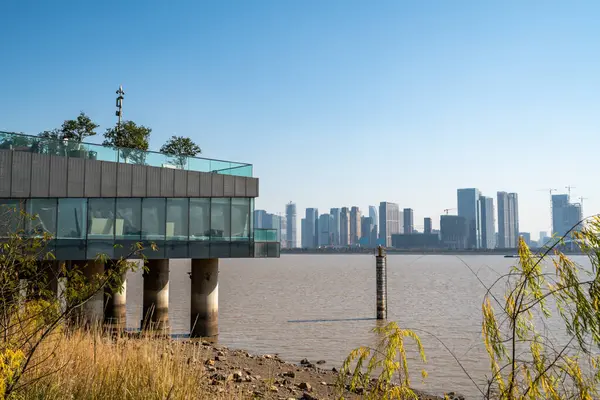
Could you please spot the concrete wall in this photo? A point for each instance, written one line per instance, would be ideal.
(25, 175)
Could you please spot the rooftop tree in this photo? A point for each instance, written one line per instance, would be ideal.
(131, 138)
(180, 148)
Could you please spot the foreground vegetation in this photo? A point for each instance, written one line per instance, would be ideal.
(526, 361)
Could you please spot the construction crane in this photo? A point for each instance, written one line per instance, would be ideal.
(569, 190)
(448, 209)
(581, 199)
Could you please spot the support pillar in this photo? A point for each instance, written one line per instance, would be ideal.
(381, 280)
(115, 315)
(93, 309)
(205, 298)
(156, 296)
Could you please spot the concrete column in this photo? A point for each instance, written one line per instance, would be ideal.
(156, 295)
(115, 314)
(93, 309)
(205, 298)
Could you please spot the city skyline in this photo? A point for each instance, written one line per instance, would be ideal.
(487, 225)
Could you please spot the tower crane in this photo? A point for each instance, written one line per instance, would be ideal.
(569, 190)
(448, 209)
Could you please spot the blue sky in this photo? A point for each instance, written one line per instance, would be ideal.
(336, 103)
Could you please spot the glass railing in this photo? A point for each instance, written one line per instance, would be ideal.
(71, 148)
(265, 235)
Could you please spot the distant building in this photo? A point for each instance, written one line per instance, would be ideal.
(543, 235)
(487, 221)
(508, 220)
(373, 216)
(526, 237)
(389, 222)
(427, 225)
(312, 220)
(345, 227)
(415, 241)
(355, 228)
(455, 232)
(335, 229)
(368, 232)
(283, 230)
(325, 234)
(290, 216)
(259, 217)
(409, 224)
(565, 216)
(468, 208)
(304, 240)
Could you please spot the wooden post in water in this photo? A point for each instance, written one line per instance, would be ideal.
(381, 271)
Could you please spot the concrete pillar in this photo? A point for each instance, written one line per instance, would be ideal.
(156, 296)
(93, 309)
(381, 281)
(115, 314)
(205, 298)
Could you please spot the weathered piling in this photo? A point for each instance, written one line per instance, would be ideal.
(381, 271)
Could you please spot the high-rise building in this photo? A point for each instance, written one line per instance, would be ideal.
(325, 225)
(290, 217)
(468, 208)
(487, 222)
(409, 223)
(373, 216)
(344, 227)
(312, 231)
(565, 216)
(389, 222)
(542, 240)
(368, 232)
(427, 225)
(304, 239)
(283, 230)
(508, 220)
(335, 229)
(355, 228)
(259, 219)
(454, 232)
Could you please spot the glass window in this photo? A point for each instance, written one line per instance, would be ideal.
(128, 224)
(43, 213)
(220, 219)
(101, 214)
(199, 219)
(240, 219)
(72, 218)
(177, 219)
(153, 218)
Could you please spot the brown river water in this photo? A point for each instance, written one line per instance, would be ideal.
(322, 306)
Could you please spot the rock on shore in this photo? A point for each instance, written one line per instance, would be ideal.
(238, 374)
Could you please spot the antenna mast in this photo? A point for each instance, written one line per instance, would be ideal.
(119, 112)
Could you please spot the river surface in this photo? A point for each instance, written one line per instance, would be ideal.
(322, 306)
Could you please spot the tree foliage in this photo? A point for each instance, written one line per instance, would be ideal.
(181, 148)
(131, 138)
(78, 129)
(389, 358)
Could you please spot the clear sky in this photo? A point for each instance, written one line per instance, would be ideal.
(336, 103)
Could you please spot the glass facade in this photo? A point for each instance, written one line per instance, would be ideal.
(55, 147)
(180, 227)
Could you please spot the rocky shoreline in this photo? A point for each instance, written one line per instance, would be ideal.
(239, 374)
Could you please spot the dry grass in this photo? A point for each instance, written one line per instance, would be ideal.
(87, 365)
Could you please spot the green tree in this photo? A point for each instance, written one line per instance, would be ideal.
(180, 148)
(78, 129)
(131, 138)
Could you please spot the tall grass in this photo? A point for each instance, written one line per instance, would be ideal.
(87, 364)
